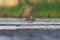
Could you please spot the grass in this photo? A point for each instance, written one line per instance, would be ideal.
(42, 9)
(48, 10)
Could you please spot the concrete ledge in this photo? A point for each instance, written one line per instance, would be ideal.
(19, 23)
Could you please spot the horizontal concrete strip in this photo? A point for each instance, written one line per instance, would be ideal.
(28, 27)
(22, 19)
(19, 23)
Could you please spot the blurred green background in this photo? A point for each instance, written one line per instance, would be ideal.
(42, 9)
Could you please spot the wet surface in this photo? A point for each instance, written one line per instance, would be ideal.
(30, 34)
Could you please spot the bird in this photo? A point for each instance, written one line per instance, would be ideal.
(30, 19)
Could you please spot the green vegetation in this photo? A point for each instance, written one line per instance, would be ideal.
(42, 9)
